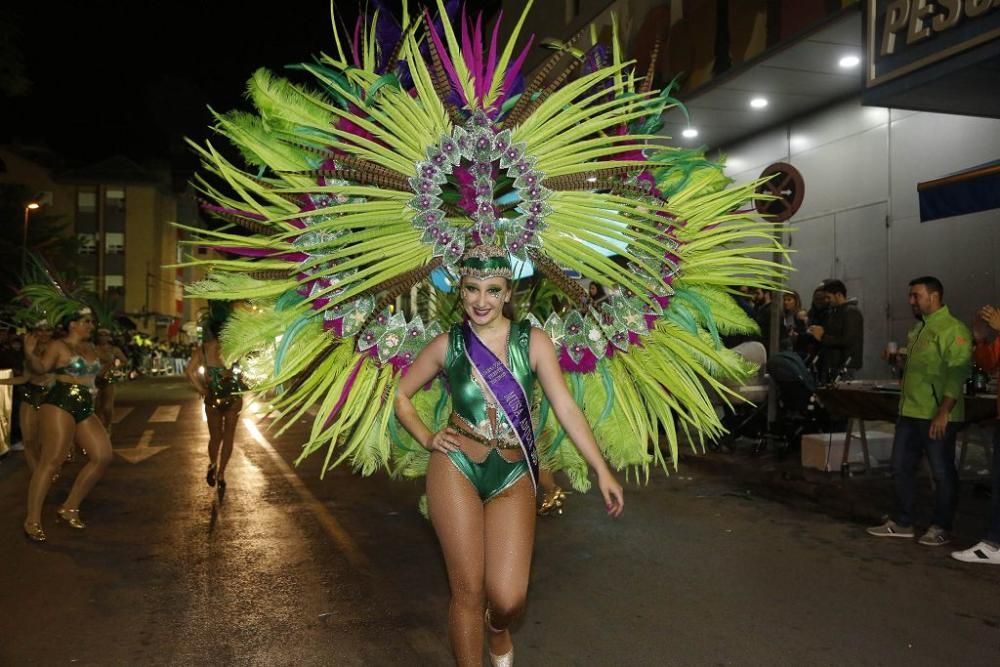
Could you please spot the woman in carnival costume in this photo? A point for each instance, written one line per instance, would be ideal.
(32, 387)
(221, 388)
(420, 142)
(483, 470)
(66, 414)
(114, 365)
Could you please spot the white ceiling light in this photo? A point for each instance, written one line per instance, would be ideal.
(847, 62)
(758, 102)
(690, 133)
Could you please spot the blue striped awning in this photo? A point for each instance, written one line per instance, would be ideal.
(969, 191)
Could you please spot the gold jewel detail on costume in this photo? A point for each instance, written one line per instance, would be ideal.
(482, 432)
(486, 261)
(552, 502)
(72, 517)
(33, 530)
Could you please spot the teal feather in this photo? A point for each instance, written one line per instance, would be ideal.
(286, 340)
(609, 389)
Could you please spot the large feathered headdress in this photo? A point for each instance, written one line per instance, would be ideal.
(418, 140)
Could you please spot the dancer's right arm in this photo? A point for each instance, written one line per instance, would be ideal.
(192, 373)
(425, 368)
(40, 364)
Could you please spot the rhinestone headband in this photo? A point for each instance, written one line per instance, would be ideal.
(486, 261)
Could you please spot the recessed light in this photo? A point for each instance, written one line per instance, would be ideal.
(847, 62)
(758, 102)
(690, 133)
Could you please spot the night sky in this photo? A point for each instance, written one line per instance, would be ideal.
(114, 77)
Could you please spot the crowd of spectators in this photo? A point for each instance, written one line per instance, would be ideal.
(829, 336)
(147, 356)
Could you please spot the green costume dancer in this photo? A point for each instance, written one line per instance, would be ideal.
(66, 414)
(420, 162)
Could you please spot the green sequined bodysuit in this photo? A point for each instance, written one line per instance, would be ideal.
(470, 407)
(224, 387)
(75, 398)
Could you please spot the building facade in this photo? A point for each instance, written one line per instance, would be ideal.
(121, 215)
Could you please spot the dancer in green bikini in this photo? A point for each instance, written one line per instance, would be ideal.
(483, 470)
(221, 388)
(66, 414)
(32, 388)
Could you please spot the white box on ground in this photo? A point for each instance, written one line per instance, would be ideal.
(825, 451)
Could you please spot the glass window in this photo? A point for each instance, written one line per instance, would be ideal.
(115, 199)
(86, 244)
(114, 243)
(86, 200)
(114, 281)
(114, 209)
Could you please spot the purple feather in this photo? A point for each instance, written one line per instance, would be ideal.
(588, 361)
(357, 41)
(514, 70)
(491, 60)
(388, 32)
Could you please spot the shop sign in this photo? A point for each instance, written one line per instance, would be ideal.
(903, 36)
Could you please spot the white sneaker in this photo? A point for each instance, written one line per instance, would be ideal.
(979, 553)
(17, 446)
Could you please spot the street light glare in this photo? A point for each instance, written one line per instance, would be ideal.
(34, 205)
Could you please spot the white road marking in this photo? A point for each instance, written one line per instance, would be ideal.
(166, 413)
(142, 449)
(120, 414)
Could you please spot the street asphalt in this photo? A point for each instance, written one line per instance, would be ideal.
(704, 567)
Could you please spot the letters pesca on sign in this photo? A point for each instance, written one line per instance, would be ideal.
(906, 35)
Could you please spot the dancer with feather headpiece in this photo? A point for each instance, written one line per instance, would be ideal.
(421, 160)
(66, 414)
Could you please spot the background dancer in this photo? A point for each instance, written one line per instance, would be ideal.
(113, 371)
(66, 414)
(220, 387)
(32, 388)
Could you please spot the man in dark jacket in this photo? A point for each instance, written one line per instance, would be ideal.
(842, 340)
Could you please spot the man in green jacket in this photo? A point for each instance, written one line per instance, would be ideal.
(931, 409)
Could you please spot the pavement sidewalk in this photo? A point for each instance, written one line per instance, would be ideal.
(862, 499)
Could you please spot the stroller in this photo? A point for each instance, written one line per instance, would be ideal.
(799, 409)
(746, 419)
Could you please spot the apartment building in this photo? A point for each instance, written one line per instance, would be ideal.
(120, 213)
